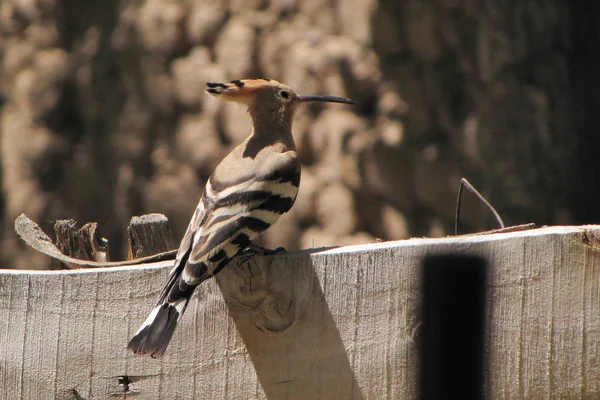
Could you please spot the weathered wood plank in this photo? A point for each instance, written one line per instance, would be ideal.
(148, 235)
(83, 244)
(336, 324)
(68, 240)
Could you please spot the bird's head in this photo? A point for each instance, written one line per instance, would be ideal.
(266, 96)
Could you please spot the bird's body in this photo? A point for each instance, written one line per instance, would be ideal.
(248, 191)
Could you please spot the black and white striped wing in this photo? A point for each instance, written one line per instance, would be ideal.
(230, 215)
(237, 214)
(185, 248)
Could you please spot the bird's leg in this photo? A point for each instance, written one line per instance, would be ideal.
(255, 250)
(263, 251)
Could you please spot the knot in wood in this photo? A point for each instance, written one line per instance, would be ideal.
(257, 291)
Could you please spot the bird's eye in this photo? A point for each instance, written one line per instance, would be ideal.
(284, 93)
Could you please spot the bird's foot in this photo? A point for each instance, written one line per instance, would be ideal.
(255, 250)
(263, 251)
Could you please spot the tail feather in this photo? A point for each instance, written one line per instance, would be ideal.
(156, 332)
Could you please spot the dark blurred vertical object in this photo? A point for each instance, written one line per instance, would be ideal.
(451, 355)
(584, 194)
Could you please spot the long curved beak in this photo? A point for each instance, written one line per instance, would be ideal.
(325, 99)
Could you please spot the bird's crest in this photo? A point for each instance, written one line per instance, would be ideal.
(241, 90)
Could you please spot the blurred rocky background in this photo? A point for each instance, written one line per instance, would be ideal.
(104, 115)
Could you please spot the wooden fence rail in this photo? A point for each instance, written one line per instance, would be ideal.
(343, 323)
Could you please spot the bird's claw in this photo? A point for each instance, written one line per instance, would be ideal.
(255, 250)
(263, 251)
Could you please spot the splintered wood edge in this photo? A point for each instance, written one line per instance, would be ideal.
(590, 235)
(35, 237)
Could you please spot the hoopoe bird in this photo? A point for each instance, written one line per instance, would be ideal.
(247, 192)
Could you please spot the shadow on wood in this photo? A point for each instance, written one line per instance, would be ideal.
(452, 336)
(282, 315)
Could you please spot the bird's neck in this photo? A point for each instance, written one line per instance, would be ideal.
(273, 127)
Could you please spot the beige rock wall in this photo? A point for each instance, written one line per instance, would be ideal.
(105, 115)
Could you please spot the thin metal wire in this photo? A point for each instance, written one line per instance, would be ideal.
(467, 184)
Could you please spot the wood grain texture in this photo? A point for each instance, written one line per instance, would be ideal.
(85, 243)
(335, 324)
(148, 235)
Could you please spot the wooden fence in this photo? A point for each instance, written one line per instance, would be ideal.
(356, 322)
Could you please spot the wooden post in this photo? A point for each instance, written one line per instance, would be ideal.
(83, 244)
(148, 235)
(336, 324)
